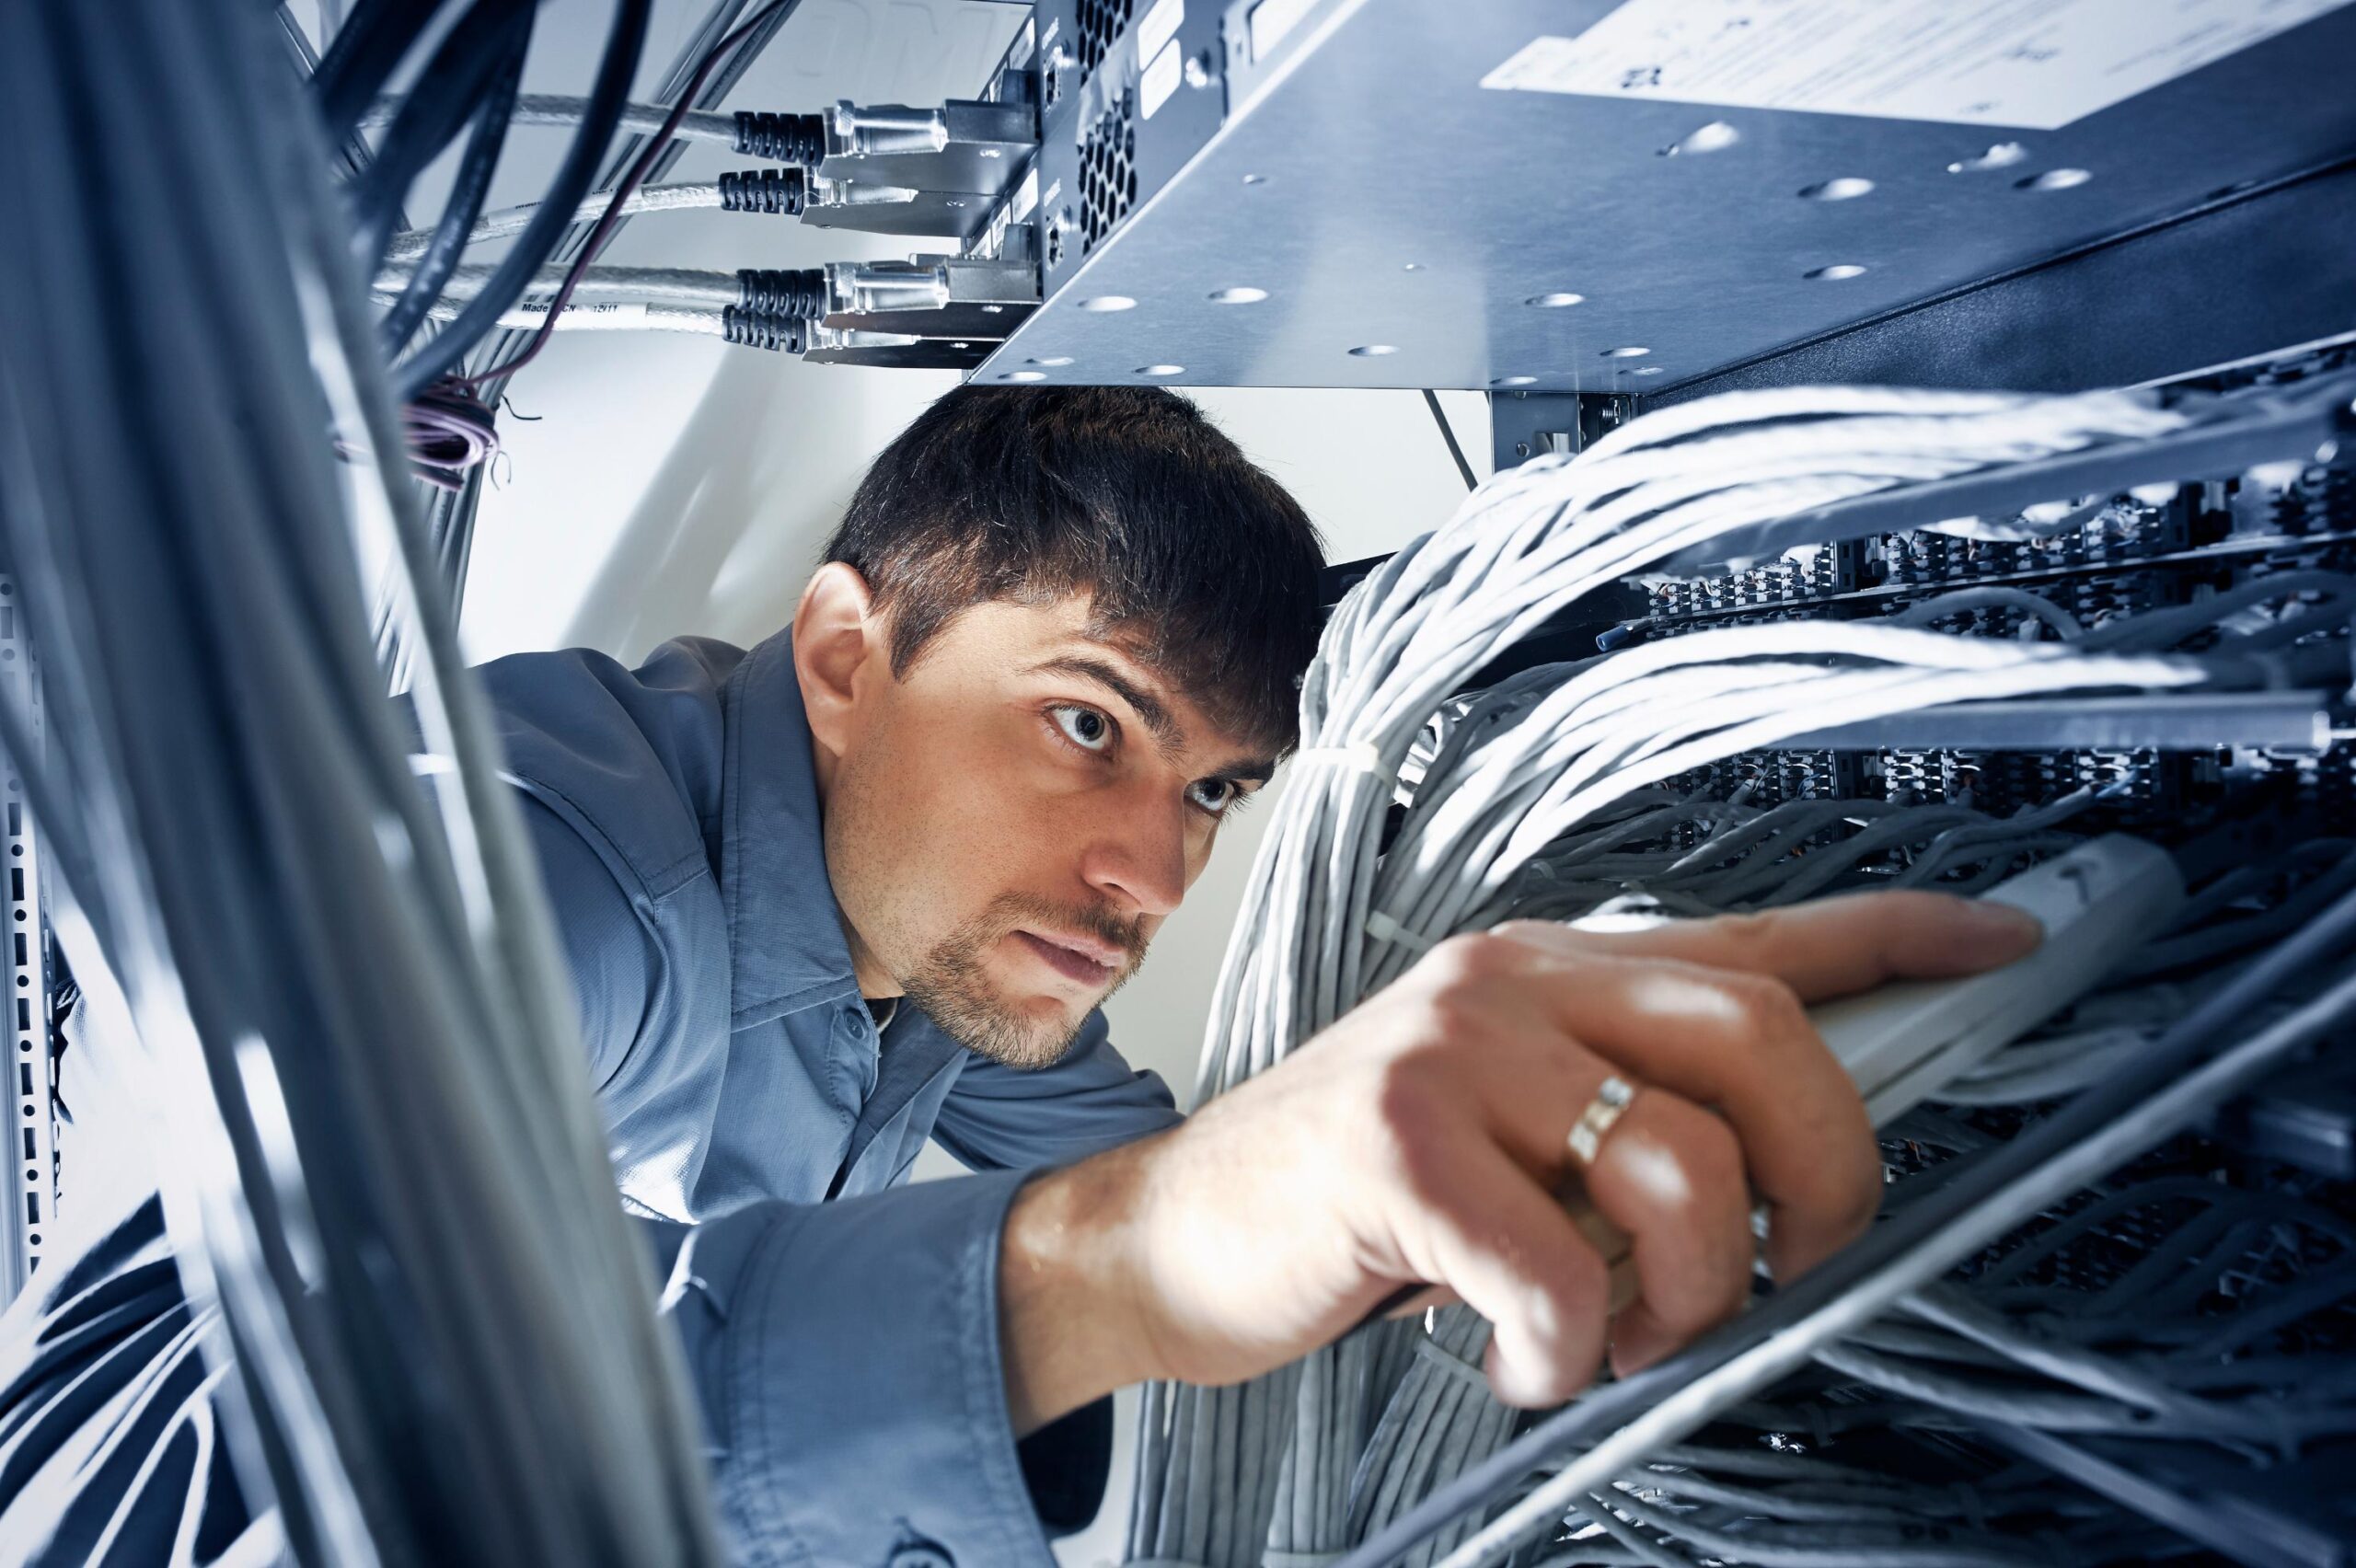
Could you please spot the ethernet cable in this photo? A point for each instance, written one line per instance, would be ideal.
(1327, 919)
(750, 190)
(2171, 1086)
(756, 134)
(688, 286)
(255, 861)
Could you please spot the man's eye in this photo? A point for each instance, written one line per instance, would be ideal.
(1213, 795)
(1083, 727)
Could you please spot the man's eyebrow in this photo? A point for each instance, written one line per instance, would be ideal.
(1148, 707)
(1247, 770)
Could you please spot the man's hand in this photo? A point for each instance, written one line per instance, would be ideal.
(1423, 1137)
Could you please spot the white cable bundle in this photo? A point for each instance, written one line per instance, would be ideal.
(1328, 918)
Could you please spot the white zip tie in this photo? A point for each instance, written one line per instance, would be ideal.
(1358, 757)
(1383, 929)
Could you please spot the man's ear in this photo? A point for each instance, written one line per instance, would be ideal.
(838, 645)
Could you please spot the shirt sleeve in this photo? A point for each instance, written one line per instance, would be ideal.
(847, 1358)
(658, 1078)
(610, 952)
(1003, 1118)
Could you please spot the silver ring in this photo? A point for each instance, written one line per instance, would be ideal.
(1611, 1101)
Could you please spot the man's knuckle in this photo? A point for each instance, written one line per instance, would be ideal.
(1769, 1010)
(1747, 934)
(1477, 958)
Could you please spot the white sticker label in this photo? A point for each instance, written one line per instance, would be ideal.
(1160, 79)
(1159, 26)
(2040, 64)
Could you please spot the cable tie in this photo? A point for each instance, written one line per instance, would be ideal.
(1358, 756)
(1454, 1365)
(1383, 929)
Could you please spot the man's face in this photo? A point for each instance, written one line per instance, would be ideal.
(1009, 822)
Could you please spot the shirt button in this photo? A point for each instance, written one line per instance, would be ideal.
(921, 1557)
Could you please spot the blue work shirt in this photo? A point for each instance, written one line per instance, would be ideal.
(845, 1352)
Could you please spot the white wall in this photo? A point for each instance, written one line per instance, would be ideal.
(673, 485)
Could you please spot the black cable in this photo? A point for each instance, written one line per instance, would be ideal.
(433, 359)
(468, 189)
(690, 81)
(362, 58)
(763, 190)
(1605, 1408)
(1431, 401)
(452, 83)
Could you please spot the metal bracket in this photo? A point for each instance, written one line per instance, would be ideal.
(1522, 425)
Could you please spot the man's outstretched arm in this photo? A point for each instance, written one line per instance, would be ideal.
(1423, 1138)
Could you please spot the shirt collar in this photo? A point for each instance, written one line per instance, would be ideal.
(785, 936)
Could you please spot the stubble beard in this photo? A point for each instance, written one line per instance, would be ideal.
(955, 989)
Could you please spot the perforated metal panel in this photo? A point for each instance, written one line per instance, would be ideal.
(32, 1202)
(1108, 171)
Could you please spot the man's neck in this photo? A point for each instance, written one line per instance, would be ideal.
(875, 982)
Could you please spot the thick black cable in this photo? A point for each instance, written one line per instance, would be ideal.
(2182, 1046)
(1447, 434)
(764, 190)
(452, 83)
(363, 56)
(607, 98)
(687, 69)
(468, 189)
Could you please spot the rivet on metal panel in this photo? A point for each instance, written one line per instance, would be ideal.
(2004, 154)
(1716, 136)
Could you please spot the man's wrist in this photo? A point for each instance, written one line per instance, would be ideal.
(1074, 1320)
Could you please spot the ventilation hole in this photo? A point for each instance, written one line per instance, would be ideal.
(1108, 175)
(1100, 22)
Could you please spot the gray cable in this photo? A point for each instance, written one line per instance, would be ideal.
(557, 109)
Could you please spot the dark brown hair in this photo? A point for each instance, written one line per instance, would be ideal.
(1196, 562)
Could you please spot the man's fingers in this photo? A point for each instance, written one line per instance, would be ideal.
(1741, 1043)
(1670, 1175)
(1831, 948)
(1483, 1229)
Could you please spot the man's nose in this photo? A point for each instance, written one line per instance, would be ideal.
(1138, 860)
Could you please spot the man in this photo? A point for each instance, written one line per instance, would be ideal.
(869, 883)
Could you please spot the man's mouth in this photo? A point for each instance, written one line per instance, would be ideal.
(1083, 959)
